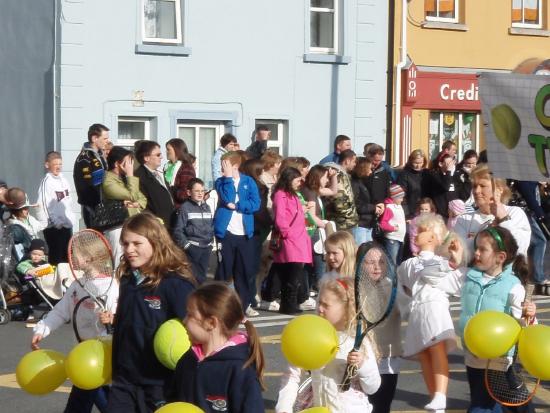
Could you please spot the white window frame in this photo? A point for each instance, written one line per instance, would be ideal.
(443, 19)
(282, 130)
(336, 39)
(134, 119)
(460, 131)
(537, 25)
(220, 130)
(177, 40)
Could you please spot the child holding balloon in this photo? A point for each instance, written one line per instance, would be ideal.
(155, 282)
(492, 284)
(222, 371)
(89, 324)
(429, 279)
(336, 304)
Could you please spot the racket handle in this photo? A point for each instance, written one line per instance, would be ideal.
(110, 329)
(348, 375)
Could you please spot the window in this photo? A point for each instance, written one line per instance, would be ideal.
(201, 140)
(324, 26)
(441, 10)
(131, 129)
(162, 21)
(527, 13)
(278, 141)
(460, 127)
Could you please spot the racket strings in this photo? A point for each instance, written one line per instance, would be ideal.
(374, 296)
(512, 386)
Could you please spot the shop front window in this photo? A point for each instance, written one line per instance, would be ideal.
(460, 127)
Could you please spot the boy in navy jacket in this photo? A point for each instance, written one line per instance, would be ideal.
(239, 198)
(194, 230)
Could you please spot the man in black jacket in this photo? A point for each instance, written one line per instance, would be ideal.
(151, 181)
(378, 183)
(259, 146)
(89, 170)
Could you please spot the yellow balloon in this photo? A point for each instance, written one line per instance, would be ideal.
(309, 342)
(88, 365)
(41, 371)
(490, 334)
(171, 342)
(534, 350)
(316, 410)
(179, 407)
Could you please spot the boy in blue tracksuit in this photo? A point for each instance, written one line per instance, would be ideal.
(194, 230)
(239, 198)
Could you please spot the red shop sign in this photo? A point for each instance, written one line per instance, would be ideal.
(438, 90)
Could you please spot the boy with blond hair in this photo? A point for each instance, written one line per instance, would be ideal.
(55, 206)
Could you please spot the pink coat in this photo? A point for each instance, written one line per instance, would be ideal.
(296, 243)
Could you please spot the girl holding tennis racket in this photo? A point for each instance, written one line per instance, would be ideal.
(492, 284)
(430, 278)
(89, 320)
(155, 281)
(337, 305)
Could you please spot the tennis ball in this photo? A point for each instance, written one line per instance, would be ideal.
(171, 342)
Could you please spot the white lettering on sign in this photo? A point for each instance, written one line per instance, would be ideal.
(446, 93)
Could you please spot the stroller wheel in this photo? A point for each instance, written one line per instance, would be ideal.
(5, 316)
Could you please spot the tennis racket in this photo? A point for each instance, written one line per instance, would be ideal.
(510, 385)
(91, 263)
(304, 397)
(375, 291)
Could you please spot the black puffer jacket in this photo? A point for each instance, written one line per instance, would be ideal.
(411, 181)
(378, 183)
(363, 202)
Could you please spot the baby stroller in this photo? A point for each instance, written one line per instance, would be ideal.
(20, 295)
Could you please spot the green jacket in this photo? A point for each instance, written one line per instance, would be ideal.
(341, 207)
(113, 187)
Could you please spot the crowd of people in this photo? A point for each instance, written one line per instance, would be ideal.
(286, 235)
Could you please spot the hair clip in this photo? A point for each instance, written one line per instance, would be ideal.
(342, 283)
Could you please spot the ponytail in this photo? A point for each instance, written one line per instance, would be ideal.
(521, 268)
(256, 354)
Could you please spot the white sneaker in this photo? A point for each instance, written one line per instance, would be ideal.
(250, 312)
(308, 305)
(269, 306)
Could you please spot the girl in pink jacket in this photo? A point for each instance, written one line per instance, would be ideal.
(295, 243)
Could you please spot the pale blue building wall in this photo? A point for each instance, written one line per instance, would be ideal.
(247, 53)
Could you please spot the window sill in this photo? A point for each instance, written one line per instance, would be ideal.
(166, 50)
(524, 31)
(444, 26)
(326, 58)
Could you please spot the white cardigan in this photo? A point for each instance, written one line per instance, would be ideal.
(326, 382)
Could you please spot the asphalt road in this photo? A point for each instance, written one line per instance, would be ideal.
(411, 394)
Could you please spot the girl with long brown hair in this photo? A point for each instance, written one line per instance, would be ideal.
(155, 281)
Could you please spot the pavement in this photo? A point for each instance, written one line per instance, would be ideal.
(411, 393)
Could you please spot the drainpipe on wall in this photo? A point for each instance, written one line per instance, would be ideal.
(400, 65)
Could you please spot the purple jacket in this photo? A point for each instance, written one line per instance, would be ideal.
(296, 243)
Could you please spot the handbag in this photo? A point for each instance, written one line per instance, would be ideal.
(276, 241)
(377, 232)
(109, 213)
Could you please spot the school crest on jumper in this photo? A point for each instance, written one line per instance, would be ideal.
(153, 301)
(219, 403)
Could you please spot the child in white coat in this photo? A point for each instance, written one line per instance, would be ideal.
(429, 279)
(336, 304)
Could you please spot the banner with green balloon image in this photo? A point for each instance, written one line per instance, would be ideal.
(516, 115)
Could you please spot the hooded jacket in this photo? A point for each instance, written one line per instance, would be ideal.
(218, 383)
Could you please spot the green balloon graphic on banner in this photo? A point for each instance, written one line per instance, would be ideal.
(506, 125)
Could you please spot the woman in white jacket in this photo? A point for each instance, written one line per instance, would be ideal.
(491, 196)
(336, 304)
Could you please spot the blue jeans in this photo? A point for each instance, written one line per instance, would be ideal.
(82, 401)
(480, 401)
(537, 250)
(361, 235)
(394, 249)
